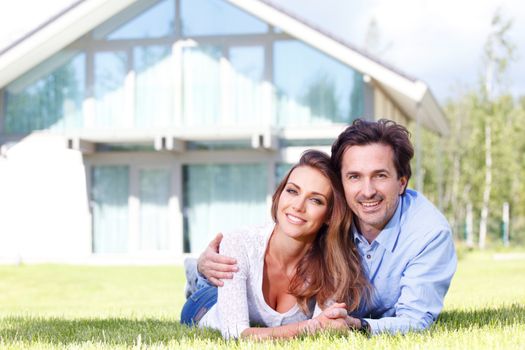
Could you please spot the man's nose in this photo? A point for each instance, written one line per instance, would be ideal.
(368, 189)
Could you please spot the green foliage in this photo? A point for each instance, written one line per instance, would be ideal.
(462, 163)
(50, 306)
(461, 157)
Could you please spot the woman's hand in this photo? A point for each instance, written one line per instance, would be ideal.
(333, 317)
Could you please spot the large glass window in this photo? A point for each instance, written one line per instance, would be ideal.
(154, 215)
(223, 91)
(132, 76)
(281, 169)
(110, 99)
(109, 204)
(313, 88)
(247, 96)
(47, 97)
(154, 22)
(216, 17)
(202, 85)
(153, 86)
(219, 198)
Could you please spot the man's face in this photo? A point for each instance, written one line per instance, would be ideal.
(371, 185)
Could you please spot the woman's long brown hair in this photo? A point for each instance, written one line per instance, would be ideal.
(331, 268)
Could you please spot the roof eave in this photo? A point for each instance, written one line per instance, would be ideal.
(56, 35)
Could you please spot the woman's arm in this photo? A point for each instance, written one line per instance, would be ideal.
(232, 301)
(333, 317)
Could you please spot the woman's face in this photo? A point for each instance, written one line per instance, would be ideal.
(304, 203)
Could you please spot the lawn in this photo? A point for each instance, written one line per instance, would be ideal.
(58, 306)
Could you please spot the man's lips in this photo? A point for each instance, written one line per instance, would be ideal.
(370, 205)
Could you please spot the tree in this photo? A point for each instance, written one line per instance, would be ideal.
(484, 157)
(498, 51)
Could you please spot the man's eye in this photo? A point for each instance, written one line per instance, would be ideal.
(352, 177)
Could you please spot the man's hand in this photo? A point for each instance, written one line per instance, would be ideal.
(353, 323)
(214, 266)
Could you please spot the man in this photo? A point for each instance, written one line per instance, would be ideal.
(405, 243)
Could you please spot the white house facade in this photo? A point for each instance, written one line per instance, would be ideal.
(135, 130)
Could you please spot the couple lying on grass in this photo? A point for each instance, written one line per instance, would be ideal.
(350, 249)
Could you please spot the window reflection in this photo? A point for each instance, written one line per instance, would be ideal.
(153, 86)
(221, 197)
(109, 201)
(47, 97)
(110, 74)
(312, 88)
(247, 95)
(155, 22)
(154, 214)
(216, 17)
(202, 88)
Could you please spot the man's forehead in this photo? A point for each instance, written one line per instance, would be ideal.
(374, 156)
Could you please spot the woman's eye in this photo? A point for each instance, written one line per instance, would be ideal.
(291, 191)
(317, 201)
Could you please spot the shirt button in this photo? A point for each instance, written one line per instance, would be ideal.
(368, 256)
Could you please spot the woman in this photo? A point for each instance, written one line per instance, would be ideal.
(305, 257)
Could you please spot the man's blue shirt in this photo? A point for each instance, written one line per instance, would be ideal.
(410, 265)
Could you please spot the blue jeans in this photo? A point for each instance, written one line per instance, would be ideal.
(198, 304)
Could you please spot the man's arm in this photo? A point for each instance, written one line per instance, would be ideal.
(423, 286)
(214, 267)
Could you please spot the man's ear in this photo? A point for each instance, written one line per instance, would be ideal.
(404, 183)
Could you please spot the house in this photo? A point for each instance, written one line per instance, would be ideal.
(138, 129)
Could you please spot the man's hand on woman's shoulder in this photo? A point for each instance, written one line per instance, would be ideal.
(216, 267)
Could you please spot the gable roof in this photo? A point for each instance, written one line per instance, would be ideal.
(411, 95)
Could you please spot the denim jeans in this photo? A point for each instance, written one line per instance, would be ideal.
(198, 304)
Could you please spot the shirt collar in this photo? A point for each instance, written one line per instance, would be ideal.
(390, 233)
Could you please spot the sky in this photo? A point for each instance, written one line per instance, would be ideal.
(437, 41)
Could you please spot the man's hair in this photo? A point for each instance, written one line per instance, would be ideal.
(385, 132)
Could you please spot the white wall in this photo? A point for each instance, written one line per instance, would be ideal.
(43, 202)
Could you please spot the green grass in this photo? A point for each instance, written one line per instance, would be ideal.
(57, 306)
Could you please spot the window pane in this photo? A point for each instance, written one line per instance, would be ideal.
(154, 214)
(109, 200)
(110, 74)
(47, 97)
(155, 22)
(246, 85)
(218, 145)
(281, 169)
(201, 91)
(124, 147)
(153, 92)
(313, 88)
(305, 142)
(219, 198)
(216, 17)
